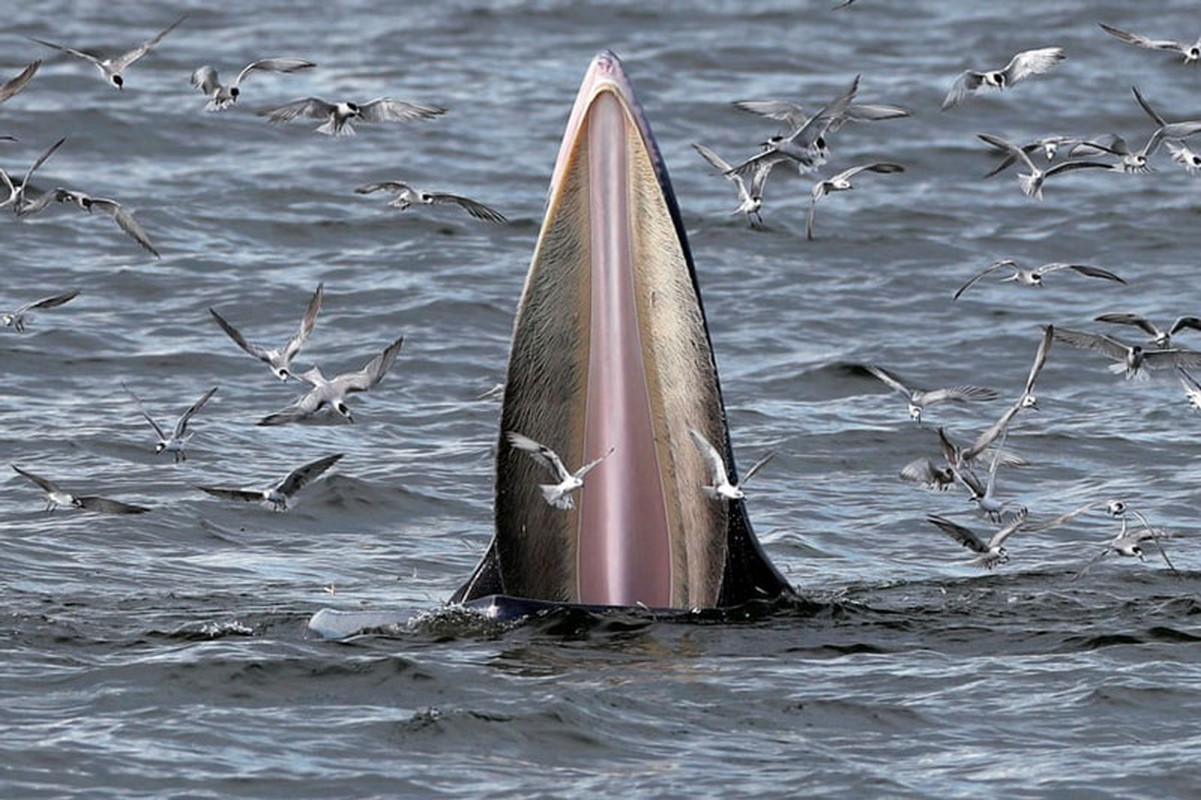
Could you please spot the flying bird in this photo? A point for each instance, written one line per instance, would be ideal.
(280, 361)
(221, 97)
(408, 195)
(1159, 336)
(1049, 146)
(919, 399)
(991, 553)
(926, 473)
(842, 183)
(16, 191)
(332, 392)
(1190, 52)
(18, 83)
(113, 69)
(750, 200)
(795, 117)
(338, 116)
(1021, 66)
(278, 497)
(16, 319)
(175, 441)
(1131, 359)
(85, 202)
(57, 496)
(1130, 544)
(1032, 184)
(721, 488)
(1034, 277)
(1183, 155)
(558, 494)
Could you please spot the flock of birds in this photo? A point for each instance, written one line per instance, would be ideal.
(803, 147)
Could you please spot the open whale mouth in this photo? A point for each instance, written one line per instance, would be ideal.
(611, 352)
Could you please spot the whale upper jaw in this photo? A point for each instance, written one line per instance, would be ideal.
(611, 350)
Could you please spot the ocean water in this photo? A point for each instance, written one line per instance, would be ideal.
(167, 654)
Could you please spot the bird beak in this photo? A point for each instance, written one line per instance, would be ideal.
(611, 350)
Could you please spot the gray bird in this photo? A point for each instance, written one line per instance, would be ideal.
(558, 495)
(1129, 544)
(1032, 184)
(1132, 360)
(85, 202)
(1034, 277)
(278, 497)
(750, 200)
(720, 488)
(18, 83)
(221, 97)
(113, 69)
(1159, 336)
(1020, 67)
(16, 319)
(991, 553)
(338, 116)
(842, 183)
(332, 392)
(280, 361)
(408, 195)
(1191, 53)
(17, 191)
(795, 117)
(175, 441)
(919, 399)
(57, 496)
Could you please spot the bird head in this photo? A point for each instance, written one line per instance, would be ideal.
(1030, 401)
(354, 109)
(344, 410)
(1115, 508)
(281, 373)
(1002, 555)
(915, 413)
(8, 320)
(118, 80)
(995, 78)
(160, 447)
(234, 91)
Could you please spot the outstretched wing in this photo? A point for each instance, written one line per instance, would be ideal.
(313, 107)
(790, 113)
(239, 340)
(1141, 41)
(966, 393)
(272, 65)
(1032, 62)
(41, 160)
(965, 536)
(244, 495)
(968, 81)
(540, 453)
(878, 166)
(18, 83)
(1136, 320)
(306, 325)
(181, 426)
(991, 268)
(142, 409)
(475, 209)
(1040, 358)
(1095, 272)
(584, 470)
(1102, 343)
(44, 484)
(891, 380)
(48, 302)
(125, 222)
(385, 186)
(750, 473)
(104, 505)
(205, 79)
(387, 109)
(68, 50)
(717, 465)
(299, 478)
(133, 55)
(374, 372)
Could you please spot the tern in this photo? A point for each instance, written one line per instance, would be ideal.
(16, 319)
(1132, 359)
(1021, 66)
(408, 195)
(57, 496)
(919, 399)
(332, 392)
(721, 488)
(1032, 184)
(280, 496)
(1034, 277)
(1130, 544)
(795, 117)
(221, 97)
(18, 83)
(750, 200)
(175, 441)
(1049, 146)
(1192, 389)
(991, 553)
(1159, 336)
(1191, 52)
(925, 472)
(280, 361)
(113, 69)
(16, 192)
(338, 116)
(842, 183)
(85, 202)
(556, 494)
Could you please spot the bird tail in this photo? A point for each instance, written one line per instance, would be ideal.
(556, 497)
(331, 128)
(1030, 186)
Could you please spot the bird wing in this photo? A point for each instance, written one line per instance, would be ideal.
(808, 134)
(306, 325)
(1064, 518)
(41, 160)
(1072, 165)
(781, 110)
(313, 107)
(126, 59)
(891, 380)
(991, 268)
(990, 435)
(1173, 357)
(49, 302)
(717, 465)
(1102, 343)
(1137, 320)
(245, 495)
(965, 536)
(878, 166)
(750, 473)
(68, 50)
(304, 406)
(387, 109)
(18, 83)
(472, 207)
(584, 470)
(1189, 383)
(812, 212)
(874, 112)
(103, 505)
(1014, 525)
(239, 340)
(125, 222)
(1032, 62)
(1083, 269)
(1185, 322)
(142, 409)
(966, 393)
(1009, 147)
(299, 478)
(374, 372)
(1040, 358)
(386, 186)
(1147, 107)
(1141, 41)
(276, 64)
(540, 453)
(920, 470)
(968, 81)
(44, 484)
(205, 79)
(716, 161)
(181, 426)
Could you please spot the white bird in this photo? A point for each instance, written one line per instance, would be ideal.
(279, 360)
(919, 399)
(556, 494)
(408, 195)
(1130, 544)
(16, 319)
(795, 117)
(113, 69)
(1032, 184)
(1034, 277)
(925, 472)
(989, 554)
(57, 496)
(338, 116)
(1049, 146)
(85, 202)
(175, 441)
(332, 392)
(1192, 389)
(986, 499)
(1183, 155)
(1160, 336)
(16, 192)
(1131, 358)
(842, 183)
(278, 497)
(1021, 66)
(1190, 52)
(221, 97)
(750, 200)
(721, 488)
(15, 85)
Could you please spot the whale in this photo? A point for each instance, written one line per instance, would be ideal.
(611, 354)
